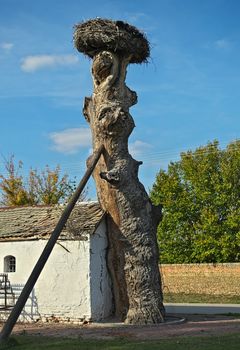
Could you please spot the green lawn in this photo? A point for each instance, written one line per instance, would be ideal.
(229, 342)
(201, 298)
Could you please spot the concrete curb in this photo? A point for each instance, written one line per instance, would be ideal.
(210, 309)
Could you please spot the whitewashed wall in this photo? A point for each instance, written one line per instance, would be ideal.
(100, 287)
(74, 284)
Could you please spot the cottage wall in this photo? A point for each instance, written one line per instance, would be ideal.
(74, 284)
(100, 287)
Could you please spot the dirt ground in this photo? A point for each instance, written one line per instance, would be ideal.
(176, 326)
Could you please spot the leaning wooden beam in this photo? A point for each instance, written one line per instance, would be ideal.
(16, 311)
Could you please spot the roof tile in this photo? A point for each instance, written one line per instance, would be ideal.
(38, 222)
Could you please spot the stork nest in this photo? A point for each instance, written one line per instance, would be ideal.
(99, 34)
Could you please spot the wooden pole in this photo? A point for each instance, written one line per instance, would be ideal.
(16, 311)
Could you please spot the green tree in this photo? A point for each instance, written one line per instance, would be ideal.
(200, 195)
(46, 187)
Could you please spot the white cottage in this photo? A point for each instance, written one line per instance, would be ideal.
(74, 284)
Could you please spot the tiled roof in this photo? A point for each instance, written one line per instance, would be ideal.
(38, 222)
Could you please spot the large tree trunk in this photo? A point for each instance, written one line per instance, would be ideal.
(132, 219)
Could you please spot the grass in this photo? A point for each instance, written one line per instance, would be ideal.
(229, 342)
(201, 298)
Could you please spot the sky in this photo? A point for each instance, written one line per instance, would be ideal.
(188, 92)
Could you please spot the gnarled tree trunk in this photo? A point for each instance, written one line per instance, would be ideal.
(132, 219)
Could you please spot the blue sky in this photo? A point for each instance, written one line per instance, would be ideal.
(188, 93)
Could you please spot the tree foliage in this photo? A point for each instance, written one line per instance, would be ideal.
(47, 187)
(200, 195)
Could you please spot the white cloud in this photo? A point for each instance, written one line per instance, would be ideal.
(222, 44)
(33, 63)
(71, 140)
(6, 46)
(140, 19)
(138, 148)
(136, 17)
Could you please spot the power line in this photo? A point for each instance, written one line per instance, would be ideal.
(147, 157)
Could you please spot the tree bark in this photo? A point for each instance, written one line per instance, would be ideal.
(132, 219)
